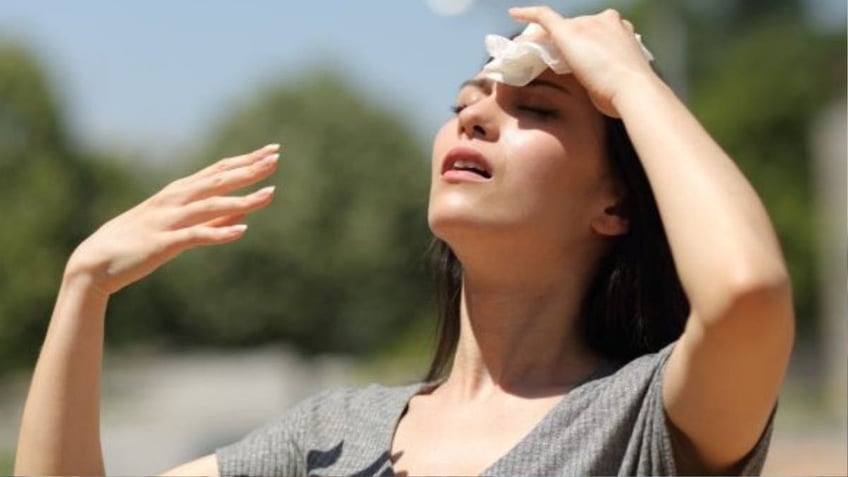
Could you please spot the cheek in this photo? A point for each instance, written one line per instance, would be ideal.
(535, 160)
(551, 178)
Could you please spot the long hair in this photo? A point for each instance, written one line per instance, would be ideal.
(635, 303)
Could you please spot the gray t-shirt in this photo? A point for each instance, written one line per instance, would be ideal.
(612, 424)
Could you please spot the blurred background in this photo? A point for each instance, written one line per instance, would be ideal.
(102, 103)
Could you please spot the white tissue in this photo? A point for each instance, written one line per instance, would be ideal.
(518, 62)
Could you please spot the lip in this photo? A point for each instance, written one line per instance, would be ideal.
(464, 153)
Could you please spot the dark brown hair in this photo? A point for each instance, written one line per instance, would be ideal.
(635, 303)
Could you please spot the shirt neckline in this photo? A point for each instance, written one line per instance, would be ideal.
(413, 390)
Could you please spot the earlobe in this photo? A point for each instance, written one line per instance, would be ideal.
(611, 222)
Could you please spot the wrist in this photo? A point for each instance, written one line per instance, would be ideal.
(79, 280)
(638, 90)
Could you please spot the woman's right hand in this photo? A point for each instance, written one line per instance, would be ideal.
(189, 212)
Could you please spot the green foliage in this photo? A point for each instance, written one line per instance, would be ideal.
(336, 264)
(337, 261)
(50, 198)
(7, 464)
(28, 112)
(757, 94)
(758, 74)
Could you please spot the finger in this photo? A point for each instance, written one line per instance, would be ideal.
(226, 220)
(612, 13)
(545, 16)
(238, 161)
(180, 190)
(222, 183)
(202, 211)
(202, 235)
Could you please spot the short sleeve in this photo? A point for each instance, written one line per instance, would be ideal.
(270, 451)
(752, 464)
(658, 435)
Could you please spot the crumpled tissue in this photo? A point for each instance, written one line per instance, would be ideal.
(518, 62)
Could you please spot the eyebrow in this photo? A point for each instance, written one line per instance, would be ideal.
(551, 84)
(484, 83)
(480, 83)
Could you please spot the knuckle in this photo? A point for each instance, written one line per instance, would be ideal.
(176, 184)
(612, 13)
(548, 13)
(159, 199)
(203, 207)
(209, 205)
(192, 235)
(228, 162)
(247, 175)
(167, 193)
(216, 181)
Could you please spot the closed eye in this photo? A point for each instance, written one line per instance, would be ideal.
(541, 113)
(457, 108)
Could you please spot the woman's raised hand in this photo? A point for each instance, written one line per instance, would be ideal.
(189, 212)
(600, 49)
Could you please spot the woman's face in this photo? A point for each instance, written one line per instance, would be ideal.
(527, 161)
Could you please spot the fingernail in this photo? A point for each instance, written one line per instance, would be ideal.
(273, 146)
(264, 192)
(235, 229)
(270, 159)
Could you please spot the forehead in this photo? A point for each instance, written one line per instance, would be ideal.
(567, 82)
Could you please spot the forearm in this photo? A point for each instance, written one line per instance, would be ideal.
(60, 427)
(720, 234)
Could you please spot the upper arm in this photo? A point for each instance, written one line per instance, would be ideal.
(207, 465)
(723, 376)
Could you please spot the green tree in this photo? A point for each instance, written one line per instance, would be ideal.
(50, 198)
(757, 90)
(337, 263)
(757, 74)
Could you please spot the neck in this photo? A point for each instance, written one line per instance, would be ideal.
(519, 330)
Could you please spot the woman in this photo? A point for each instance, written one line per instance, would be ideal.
(528, 378)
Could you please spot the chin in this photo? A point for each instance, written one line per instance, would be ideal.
(455, 221)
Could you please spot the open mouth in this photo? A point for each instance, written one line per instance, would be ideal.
(463, 165)
(464, 162)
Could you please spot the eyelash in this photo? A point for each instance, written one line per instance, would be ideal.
(538, 112)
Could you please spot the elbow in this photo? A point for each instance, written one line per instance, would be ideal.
(754, 298)
(764, 283)
(764, 301)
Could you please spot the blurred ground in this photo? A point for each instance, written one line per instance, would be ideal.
(160, 409)
(816, 452)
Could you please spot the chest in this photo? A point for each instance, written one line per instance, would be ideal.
(430, 440)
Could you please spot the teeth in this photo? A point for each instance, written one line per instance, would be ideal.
(467, 165)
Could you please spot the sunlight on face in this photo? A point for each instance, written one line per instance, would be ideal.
(526, 162)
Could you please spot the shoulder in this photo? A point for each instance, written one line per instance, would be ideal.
(324, 428)
(358, 400)
(341, 405)
(628, 400)
(634, 376)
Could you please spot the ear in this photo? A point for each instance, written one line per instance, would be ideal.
(613, 220)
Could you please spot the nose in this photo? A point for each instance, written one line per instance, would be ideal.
(479, 119)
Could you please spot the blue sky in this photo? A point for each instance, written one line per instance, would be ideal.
(152, 77)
